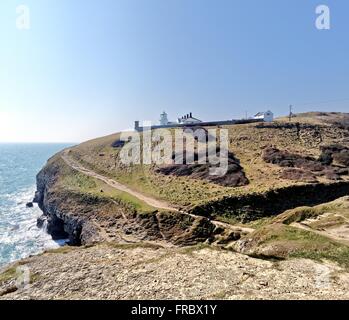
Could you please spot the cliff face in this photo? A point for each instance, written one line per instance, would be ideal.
(255, 206)
(61, 221)
(85, 218)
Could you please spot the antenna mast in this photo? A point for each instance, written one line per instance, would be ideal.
(290, 114)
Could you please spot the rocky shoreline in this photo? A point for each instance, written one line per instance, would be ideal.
(86, 219)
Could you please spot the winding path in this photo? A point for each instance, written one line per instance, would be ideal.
(158, 204)
(117, 185)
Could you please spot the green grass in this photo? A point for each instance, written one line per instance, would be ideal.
(63, 250)
(338, 254)
(302, 213)
(34, 278)
(245, 141)
(176, 190)
(294, 234)
(11, 273)
(257, 224)
(299, 214)
(227, 219)
(8, 274)
(200, 246)
(137, 204)
(328, 222)
(78, 182)
(236, 220)
(130, 246)
(285, 241)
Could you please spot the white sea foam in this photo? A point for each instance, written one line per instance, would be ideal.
(19, 234)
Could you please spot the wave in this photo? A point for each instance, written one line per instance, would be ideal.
(19, 235)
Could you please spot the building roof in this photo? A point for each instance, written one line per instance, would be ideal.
(192, 118)
(262, 113)
(188, 118)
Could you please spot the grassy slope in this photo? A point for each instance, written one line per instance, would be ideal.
(246, 142)
(74, 181)
(281, 241)
(275, 238)
(340, 206)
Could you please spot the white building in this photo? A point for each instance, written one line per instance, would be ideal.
(188, 119)
(163, 119)
(266, 116)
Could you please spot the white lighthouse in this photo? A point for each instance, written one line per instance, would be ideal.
(163, 119)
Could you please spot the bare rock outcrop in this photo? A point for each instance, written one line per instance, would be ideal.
(85, 218)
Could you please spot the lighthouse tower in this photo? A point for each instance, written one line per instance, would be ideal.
(163, 119)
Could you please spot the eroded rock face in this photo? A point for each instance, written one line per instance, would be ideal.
(304, 168)
(287, 159)
(234, 177)
(86, 219)
(298, 175)
(337, 153)
(253, 206)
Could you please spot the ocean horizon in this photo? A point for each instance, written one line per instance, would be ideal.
(19, 234)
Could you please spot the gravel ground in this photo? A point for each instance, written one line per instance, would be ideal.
(145, 272)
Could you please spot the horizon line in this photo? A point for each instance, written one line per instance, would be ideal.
(38, 142)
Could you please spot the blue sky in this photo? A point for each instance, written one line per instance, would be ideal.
(88, 68)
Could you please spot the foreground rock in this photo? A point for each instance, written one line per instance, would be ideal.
(151, 272)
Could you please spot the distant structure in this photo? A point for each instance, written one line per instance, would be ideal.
(188, 121)
(266, 116)
(290, 115)
(163, 119)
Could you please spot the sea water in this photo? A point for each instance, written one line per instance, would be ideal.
(19, 235)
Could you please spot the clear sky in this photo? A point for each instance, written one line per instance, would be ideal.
(88, 68)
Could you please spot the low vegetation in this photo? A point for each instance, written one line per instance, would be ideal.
(281, 241)
(267, 160)
(8, 274)
(247, 143)
(74, 181)
(302, 213)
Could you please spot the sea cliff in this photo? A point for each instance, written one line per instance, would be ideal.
(87, 217)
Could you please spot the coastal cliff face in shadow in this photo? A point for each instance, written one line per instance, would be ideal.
(76, 208)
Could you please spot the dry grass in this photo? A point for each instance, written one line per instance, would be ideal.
(300, 214)
(281, 241)
(246, 143)
(8, 274)
(72, 180)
